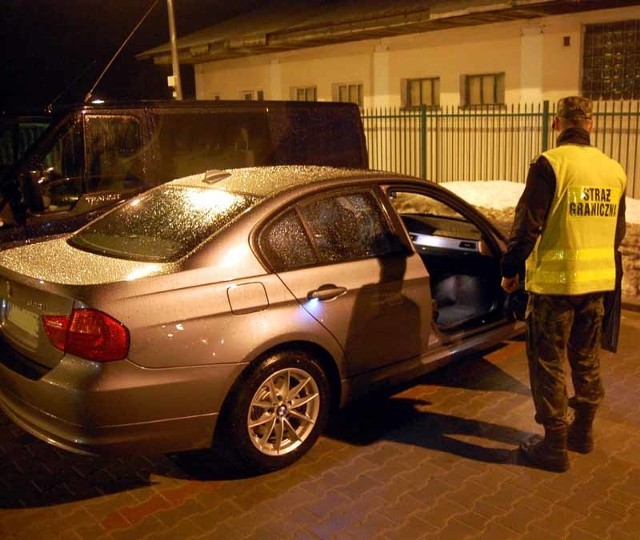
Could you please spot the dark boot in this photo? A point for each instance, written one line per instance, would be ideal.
(580, 436)
(549, 453)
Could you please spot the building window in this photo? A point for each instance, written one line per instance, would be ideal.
(250, 95)
(419, 92)
(309, 93)
(484, 89)
(611, 61)
(349, 93)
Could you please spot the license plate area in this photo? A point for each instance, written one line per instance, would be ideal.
(21, 325)
(24, 319)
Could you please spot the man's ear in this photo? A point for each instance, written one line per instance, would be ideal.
(590, 125)
(554, 124)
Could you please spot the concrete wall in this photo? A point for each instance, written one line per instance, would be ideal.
(541, 59)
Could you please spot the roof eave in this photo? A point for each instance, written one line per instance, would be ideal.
(197, 48)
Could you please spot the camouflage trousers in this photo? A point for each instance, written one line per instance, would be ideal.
(561, 329)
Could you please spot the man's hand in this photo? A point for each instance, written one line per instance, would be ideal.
(511, 284)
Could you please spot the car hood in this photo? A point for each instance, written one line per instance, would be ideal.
(55, 261)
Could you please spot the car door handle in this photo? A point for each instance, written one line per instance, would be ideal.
(327, 292)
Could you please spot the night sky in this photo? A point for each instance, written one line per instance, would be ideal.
(57, 48)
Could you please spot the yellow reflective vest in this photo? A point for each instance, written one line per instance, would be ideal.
(575, 252)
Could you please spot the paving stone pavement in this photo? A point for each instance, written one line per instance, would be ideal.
(433, 460)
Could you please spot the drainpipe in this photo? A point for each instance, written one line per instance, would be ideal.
(545, 125)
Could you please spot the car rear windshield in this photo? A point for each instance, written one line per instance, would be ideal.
(162, 225)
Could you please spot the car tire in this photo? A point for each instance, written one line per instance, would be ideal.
(277, 412)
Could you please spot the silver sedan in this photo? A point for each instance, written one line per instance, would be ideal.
(243, 306)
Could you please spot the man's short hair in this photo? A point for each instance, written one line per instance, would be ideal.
(574, 108)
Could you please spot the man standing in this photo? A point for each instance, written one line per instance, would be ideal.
(568, 226)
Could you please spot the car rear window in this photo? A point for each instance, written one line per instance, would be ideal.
(162, 225)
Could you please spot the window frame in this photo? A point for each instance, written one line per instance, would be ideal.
(497, 90)
(124, 173)
(252, 95)
(400, 247)
(357, 86)
(459, 212)
(433, 82)
(310, 93)
(611, 60)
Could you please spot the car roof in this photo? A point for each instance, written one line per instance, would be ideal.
(269, 181)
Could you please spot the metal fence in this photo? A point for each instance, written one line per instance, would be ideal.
(449, 144)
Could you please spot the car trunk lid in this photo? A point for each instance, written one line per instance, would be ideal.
(51, 278)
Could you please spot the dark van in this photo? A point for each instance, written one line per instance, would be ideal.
(94, 155)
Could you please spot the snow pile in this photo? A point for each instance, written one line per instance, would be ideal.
(502, 194)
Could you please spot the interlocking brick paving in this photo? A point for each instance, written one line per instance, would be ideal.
(436, 459)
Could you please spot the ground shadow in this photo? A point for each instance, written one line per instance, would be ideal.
(475, 373)
(406, 421)
(36, 474)
(383, 416)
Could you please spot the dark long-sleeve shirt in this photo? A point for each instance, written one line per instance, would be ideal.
(533, 207)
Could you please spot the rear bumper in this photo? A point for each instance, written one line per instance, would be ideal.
(118, 407)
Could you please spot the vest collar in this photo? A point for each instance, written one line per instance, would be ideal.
(574, 135)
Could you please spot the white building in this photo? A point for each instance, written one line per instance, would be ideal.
(397, 53)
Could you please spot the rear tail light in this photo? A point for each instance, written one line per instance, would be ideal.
(89, 334)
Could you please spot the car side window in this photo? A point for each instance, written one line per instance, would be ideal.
(349, 226)
(329, 230)
(433, 224)
(286, 245)
(406, 202)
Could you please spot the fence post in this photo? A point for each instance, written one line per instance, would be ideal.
(423, 141)
(545, 125)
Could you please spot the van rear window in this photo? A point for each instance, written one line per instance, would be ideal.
(162, 225)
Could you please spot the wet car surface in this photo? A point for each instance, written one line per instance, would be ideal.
(242, 307)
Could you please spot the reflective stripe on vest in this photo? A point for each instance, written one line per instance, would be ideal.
(588, 271)
(575, 253)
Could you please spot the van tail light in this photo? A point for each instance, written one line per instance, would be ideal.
(89, 334)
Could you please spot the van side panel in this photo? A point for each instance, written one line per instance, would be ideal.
(318, 134)
(222, 135)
